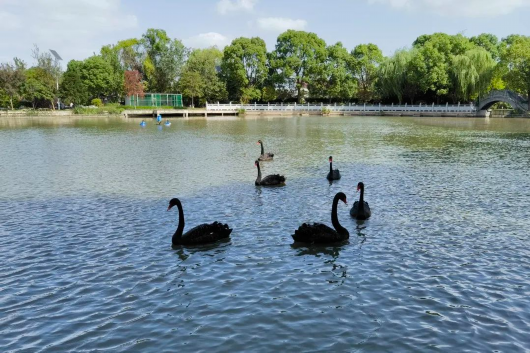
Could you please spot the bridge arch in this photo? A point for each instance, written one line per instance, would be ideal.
(506, 96)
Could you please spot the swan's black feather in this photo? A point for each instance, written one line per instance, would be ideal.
(205, 233)
(266, 157)
(315, 233)
(360, 213)
(335, 175)
(271, 180)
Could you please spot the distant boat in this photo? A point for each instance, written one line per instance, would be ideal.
(167, 123)
(143, 123)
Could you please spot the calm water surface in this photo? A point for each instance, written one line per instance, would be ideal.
(86, 262)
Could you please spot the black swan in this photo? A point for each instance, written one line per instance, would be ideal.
(333, 174)
(201, 234)
(321, 233)
(265, 156)
(269, 180)
(360, 209)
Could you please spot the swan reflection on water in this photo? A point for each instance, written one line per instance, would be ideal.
(330, 254)
(211, 249)
(319, 250)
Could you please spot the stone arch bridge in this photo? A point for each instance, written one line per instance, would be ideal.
(507, 96)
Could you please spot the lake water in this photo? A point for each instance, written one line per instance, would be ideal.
(86, 261)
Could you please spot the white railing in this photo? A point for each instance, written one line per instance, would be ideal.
(447, 108)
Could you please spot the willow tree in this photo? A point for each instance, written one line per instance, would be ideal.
(393, 74)
(465, 77)
(402, 75)
(484, 64)
(472, 73)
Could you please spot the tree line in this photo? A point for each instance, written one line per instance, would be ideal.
(437, 68)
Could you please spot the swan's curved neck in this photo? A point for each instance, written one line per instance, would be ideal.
(330, 166)
(262, 149)
(259, 174)
(361, 198)
(180, 228)
(334, 218)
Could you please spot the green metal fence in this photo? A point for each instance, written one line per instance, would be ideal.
(155, 100)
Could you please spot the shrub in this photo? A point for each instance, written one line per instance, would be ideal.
(97, 102)
(326, 111)
(241, 111)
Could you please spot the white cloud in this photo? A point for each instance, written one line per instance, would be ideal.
(206, 40)
(226, 6)
(280, 24)
(460, 8)
(75, 29)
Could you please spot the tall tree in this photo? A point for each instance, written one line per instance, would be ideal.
(206, 63)
(51, 66)
(334, 80)
(164, 60)
(192, 85)
(244, 68)
(364, 62)
(97, 76)
(437, 50)
(489, 42)
(11, 79)
(298, 59)
(402, 75)
(39, 87)
(133, 84)
(72, 88)
(515, 56)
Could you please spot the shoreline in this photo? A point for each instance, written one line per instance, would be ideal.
(212, 114)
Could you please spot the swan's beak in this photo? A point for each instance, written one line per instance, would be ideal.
(169, 207)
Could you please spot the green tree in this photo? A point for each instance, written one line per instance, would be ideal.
(269, 93)
(298, 59)
(51, 66)
(97, 76)
(472, 73)
(515, 57)
(205, 62)
(489, 42)
(72, 88)
(438, 50)
(164, 60)
(244, 68)
(334, 80)
(111, 56)
(401, 75)
(11, 79)
(39, 87)
(192, 85)
(365, 59)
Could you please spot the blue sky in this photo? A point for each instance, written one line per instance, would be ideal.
(78, 28)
